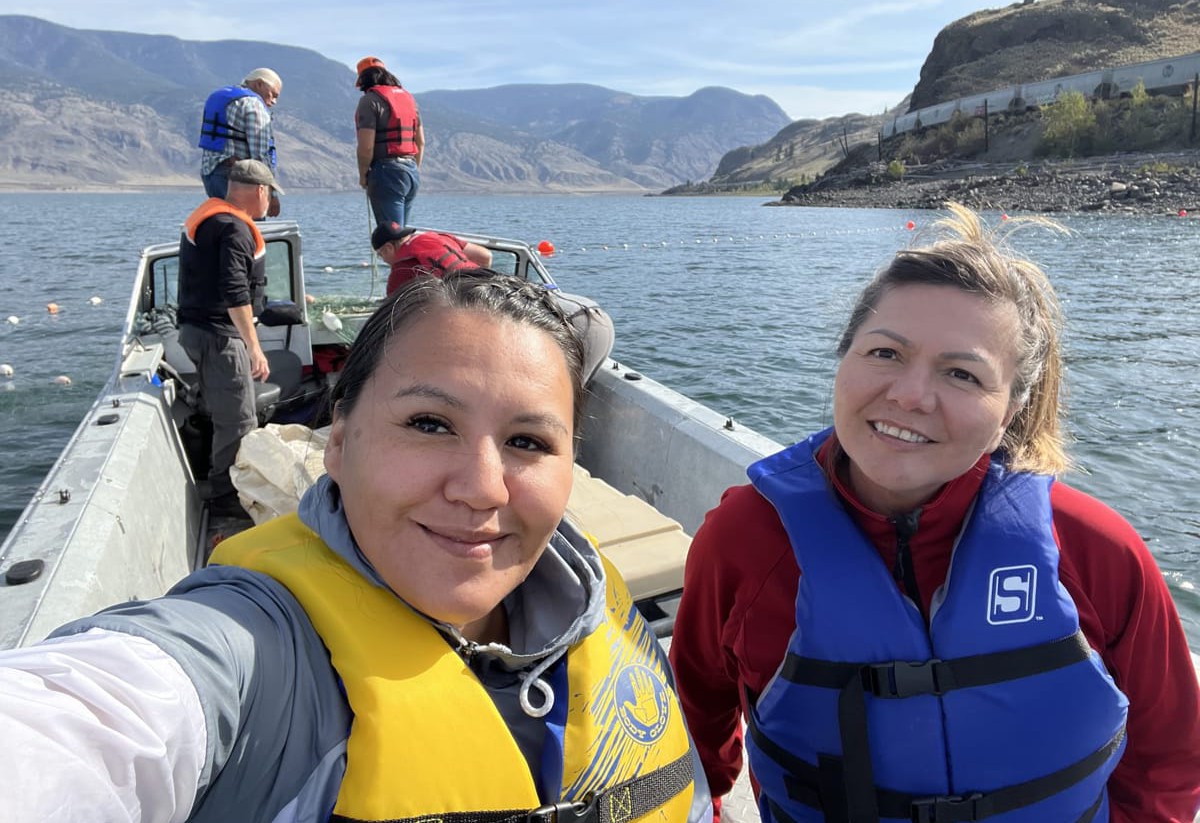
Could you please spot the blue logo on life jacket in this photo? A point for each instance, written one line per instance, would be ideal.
(1012, 594)
(642, 703)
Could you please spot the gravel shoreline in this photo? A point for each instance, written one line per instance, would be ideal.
(1148, 184)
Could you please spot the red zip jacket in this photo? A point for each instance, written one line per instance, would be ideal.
(738, 611)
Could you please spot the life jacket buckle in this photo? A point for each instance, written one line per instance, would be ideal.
(947, 809)
(902, 679)
(573, 812)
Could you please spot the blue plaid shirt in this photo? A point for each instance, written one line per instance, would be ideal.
(250, 115)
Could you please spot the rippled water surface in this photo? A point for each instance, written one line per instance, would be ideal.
(731, 303)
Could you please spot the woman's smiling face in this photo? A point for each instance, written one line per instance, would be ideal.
(923, 391)
(455, 462)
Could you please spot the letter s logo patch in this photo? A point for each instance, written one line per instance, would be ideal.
(1012, 595)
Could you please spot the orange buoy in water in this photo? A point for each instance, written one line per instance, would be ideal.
(1004, 216)
(545, 248)
(910, 225)
(52, 308)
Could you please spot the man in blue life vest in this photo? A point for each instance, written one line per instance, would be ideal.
(391, 143)
(237, 126)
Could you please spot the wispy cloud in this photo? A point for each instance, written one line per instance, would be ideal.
(814, 61)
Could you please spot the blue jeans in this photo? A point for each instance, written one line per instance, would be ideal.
(216, 183)
(391, 187)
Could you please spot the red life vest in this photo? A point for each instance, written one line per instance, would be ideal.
(427, 252)
(400, 133)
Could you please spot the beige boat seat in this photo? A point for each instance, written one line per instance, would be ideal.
(647, 547)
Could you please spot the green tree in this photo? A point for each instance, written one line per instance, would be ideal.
(1070, 125)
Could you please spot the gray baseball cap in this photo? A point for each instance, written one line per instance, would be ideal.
(254, 172)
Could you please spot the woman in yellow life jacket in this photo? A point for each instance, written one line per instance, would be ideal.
(426, 637)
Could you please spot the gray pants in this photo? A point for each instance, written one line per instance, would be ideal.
(227, 391)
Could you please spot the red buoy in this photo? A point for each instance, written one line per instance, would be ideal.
(910, 225)
(545, 248)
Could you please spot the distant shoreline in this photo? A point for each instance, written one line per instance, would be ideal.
(1141, 184)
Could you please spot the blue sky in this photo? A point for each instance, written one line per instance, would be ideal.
(815, 59)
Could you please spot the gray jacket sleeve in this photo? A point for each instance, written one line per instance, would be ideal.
(276, 718)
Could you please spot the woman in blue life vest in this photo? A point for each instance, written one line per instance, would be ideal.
(427, 638)
(915, 619)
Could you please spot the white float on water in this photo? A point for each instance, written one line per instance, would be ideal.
(95, 301)
(328, 268)
(6, 370)
(12, 318)
(62, 380)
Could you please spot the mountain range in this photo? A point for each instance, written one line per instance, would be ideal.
(95, 109)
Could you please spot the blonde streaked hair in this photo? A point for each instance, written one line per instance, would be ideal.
(967, 255)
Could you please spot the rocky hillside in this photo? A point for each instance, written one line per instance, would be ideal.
(111, 109)
(1022, 42)
(1052, 38)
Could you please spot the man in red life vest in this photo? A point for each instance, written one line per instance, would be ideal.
(391, 142)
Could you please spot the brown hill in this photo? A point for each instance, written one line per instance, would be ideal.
(1039, 40)
(1023, 42)
(100, 109)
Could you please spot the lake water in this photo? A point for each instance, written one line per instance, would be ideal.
(731, 303)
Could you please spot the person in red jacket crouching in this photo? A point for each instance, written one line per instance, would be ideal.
(914, 617)
(411, 252)
(414, 252)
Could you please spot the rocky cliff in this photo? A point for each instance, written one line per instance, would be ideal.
(1051, 38)
(1022, 42)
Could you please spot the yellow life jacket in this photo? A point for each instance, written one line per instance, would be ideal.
(427, 739)
(216, 205)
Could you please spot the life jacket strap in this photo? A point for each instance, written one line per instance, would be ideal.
(900, 679)
(824, 786)
(624, 802)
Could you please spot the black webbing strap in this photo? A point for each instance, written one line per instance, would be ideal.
(982, 805)
(899, 679)
(858, 775)
(624, 802)
(843, 788)
(821, 788)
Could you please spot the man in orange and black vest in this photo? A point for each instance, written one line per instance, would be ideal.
(391, 143)
(222, 287)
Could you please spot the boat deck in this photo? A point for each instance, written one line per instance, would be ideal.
(648, 547)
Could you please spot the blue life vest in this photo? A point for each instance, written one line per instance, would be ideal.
(215, 131)
(998, 708)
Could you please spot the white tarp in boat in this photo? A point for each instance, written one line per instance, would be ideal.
(275, 466)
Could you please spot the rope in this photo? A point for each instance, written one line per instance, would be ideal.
(374, 257)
